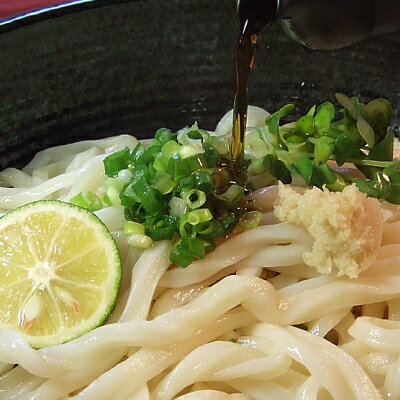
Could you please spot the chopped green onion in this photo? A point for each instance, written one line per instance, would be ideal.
(133, 228)
(195, 162)
(197, 216)
(185, 228)
(139, 241)
(114, 182)
(199, 134)
(131, 194)
(127, 214)
(139, 184)
(88, 200)
(153, 202)
(187, 182)
(228, 223)
(106, 200)
(186, 250)
(221, 144)
(203, 181)
(113, 197)
(151, 174)
(139, 190)
(137, 153)
(154, 147)
(179, 168)
(211, 155)
(138, 212)
(161, 227)
(146, 157)
(250, 220)
(170, 149)
(164, 183)
(209, 229)
(209, 245)
(116, 161)
(189, 151)
(188, 221)
(195, 246)
(164, 135)
(234, 194)
(193, 136)
(177, 207)
(193, 198)
(161, 163)
(124, 176)
(180, 255)
(128, 197)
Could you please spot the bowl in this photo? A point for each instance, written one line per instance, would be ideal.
(90, 69)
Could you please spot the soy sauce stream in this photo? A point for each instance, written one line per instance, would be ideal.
(253, 16)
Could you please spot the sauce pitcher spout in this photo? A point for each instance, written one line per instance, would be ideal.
(334, 24)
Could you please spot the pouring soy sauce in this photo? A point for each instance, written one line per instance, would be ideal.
(253, 16)
(317, 24)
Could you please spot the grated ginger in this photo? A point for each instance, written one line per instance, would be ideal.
(346, 226)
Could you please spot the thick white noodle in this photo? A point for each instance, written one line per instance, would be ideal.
(69, 151)
(335, 369)
(212, 395)
(272, 238)
(145, 276)
(255, 117)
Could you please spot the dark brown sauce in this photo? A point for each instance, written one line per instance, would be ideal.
(253, 16)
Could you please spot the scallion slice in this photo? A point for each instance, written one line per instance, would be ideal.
(233, 194)
(177, 207)
(133, 228)
(250, 220)
(164, 135)
(185, 228)
(197, 216)
(161, 227)
(170, 149)
(139, 241)
(193, 198)
(116, 161)
(88, 200)
(211, 155)
(203, 181)
(180, 255)
(211, 229)
(186, 250)
(113, 197)
(164, 183)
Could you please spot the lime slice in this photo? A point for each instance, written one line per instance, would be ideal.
(60, 272)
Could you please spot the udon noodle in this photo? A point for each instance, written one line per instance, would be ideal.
(228, 327)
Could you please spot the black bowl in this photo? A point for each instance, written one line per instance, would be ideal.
(97, 68)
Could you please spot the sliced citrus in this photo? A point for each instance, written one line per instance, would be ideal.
(60, 272)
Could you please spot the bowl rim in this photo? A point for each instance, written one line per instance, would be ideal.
(44, 13)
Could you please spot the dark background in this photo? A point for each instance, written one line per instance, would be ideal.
(141, 65)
